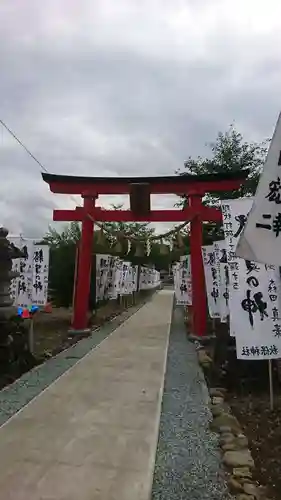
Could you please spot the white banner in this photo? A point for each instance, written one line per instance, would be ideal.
(224, 281)
(116, 277)
(182, 281)
(135, 278)
(149, 278)
(31, 286)
(126, 279)
(254, 293)
(110, 289)
(261, 238)
(211, 271)
(102, 270)
(40, 275)
(234, 213)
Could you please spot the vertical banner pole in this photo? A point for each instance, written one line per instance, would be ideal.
(75, 280)
(31, 336)
(271, 394)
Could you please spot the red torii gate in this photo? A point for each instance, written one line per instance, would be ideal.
(140, 189)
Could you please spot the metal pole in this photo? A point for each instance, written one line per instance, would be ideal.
(31, 336)
(271, 395)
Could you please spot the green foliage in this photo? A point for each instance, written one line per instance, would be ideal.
(229, 153)
(70, 234)
(138, 229)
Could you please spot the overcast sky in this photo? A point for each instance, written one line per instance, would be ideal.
(127, 87)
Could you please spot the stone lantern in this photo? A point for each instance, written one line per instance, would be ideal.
(8, 252)
(15, 355)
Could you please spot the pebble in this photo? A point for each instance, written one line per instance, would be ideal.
(228, 447)
(238, 458)
(225, 420)
(216, 400)
(251, 489)
(217, 410)
(217, 392)
(227, 438)
(243, 472)
(223, 429)
(244, 496)
(204, 358)
(242, 441)
(234, 485)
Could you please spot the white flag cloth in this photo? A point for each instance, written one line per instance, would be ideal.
(211, 271)
(31, 286)
(182, 281)
(223, 280)
(261, 238)
(254, 293)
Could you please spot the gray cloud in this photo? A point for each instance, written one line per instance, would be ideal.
(126, 88)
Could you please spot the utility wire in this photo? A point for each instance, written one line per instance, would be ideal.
(23, 146)
(101, 226)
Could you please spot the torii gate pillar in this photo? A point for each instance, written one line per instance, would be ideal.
(83, 271)
(199, 302)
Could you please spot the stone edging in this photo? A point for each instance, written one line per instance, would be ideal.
(234, 445)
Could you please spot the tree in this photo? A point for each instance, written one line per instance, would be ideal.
(138, 229)
(229, 153)
(70, 234)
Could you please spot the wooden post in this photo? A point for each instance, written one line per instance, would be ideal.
(83, 282)
(199, 304)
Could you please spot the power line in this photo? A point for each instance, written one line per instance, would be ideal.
(23, 146)
(101, 226)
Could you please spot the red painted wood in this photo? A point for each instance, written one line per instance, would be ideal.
(178, 186)
(83, 282)
(199, 299)
(207, 214)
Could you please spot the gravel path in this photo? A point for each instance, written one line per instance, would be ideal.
(187, 461)
(17, 395)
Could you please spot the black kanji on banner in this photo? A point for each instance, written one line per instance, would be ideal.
(274, 189)
(38, 256)
(254, 305)
(264, 350)
(275, 226)
(215, 294)
(241, 219)
(251, 266)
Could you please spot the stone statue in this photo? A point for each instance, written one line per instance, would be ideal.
(8, 252)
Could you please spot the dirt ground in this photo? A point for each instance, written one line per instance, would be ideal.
(51, 330)
(263, 429)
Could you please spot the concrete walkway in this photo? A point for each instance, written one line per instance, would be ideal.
(93, 433)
